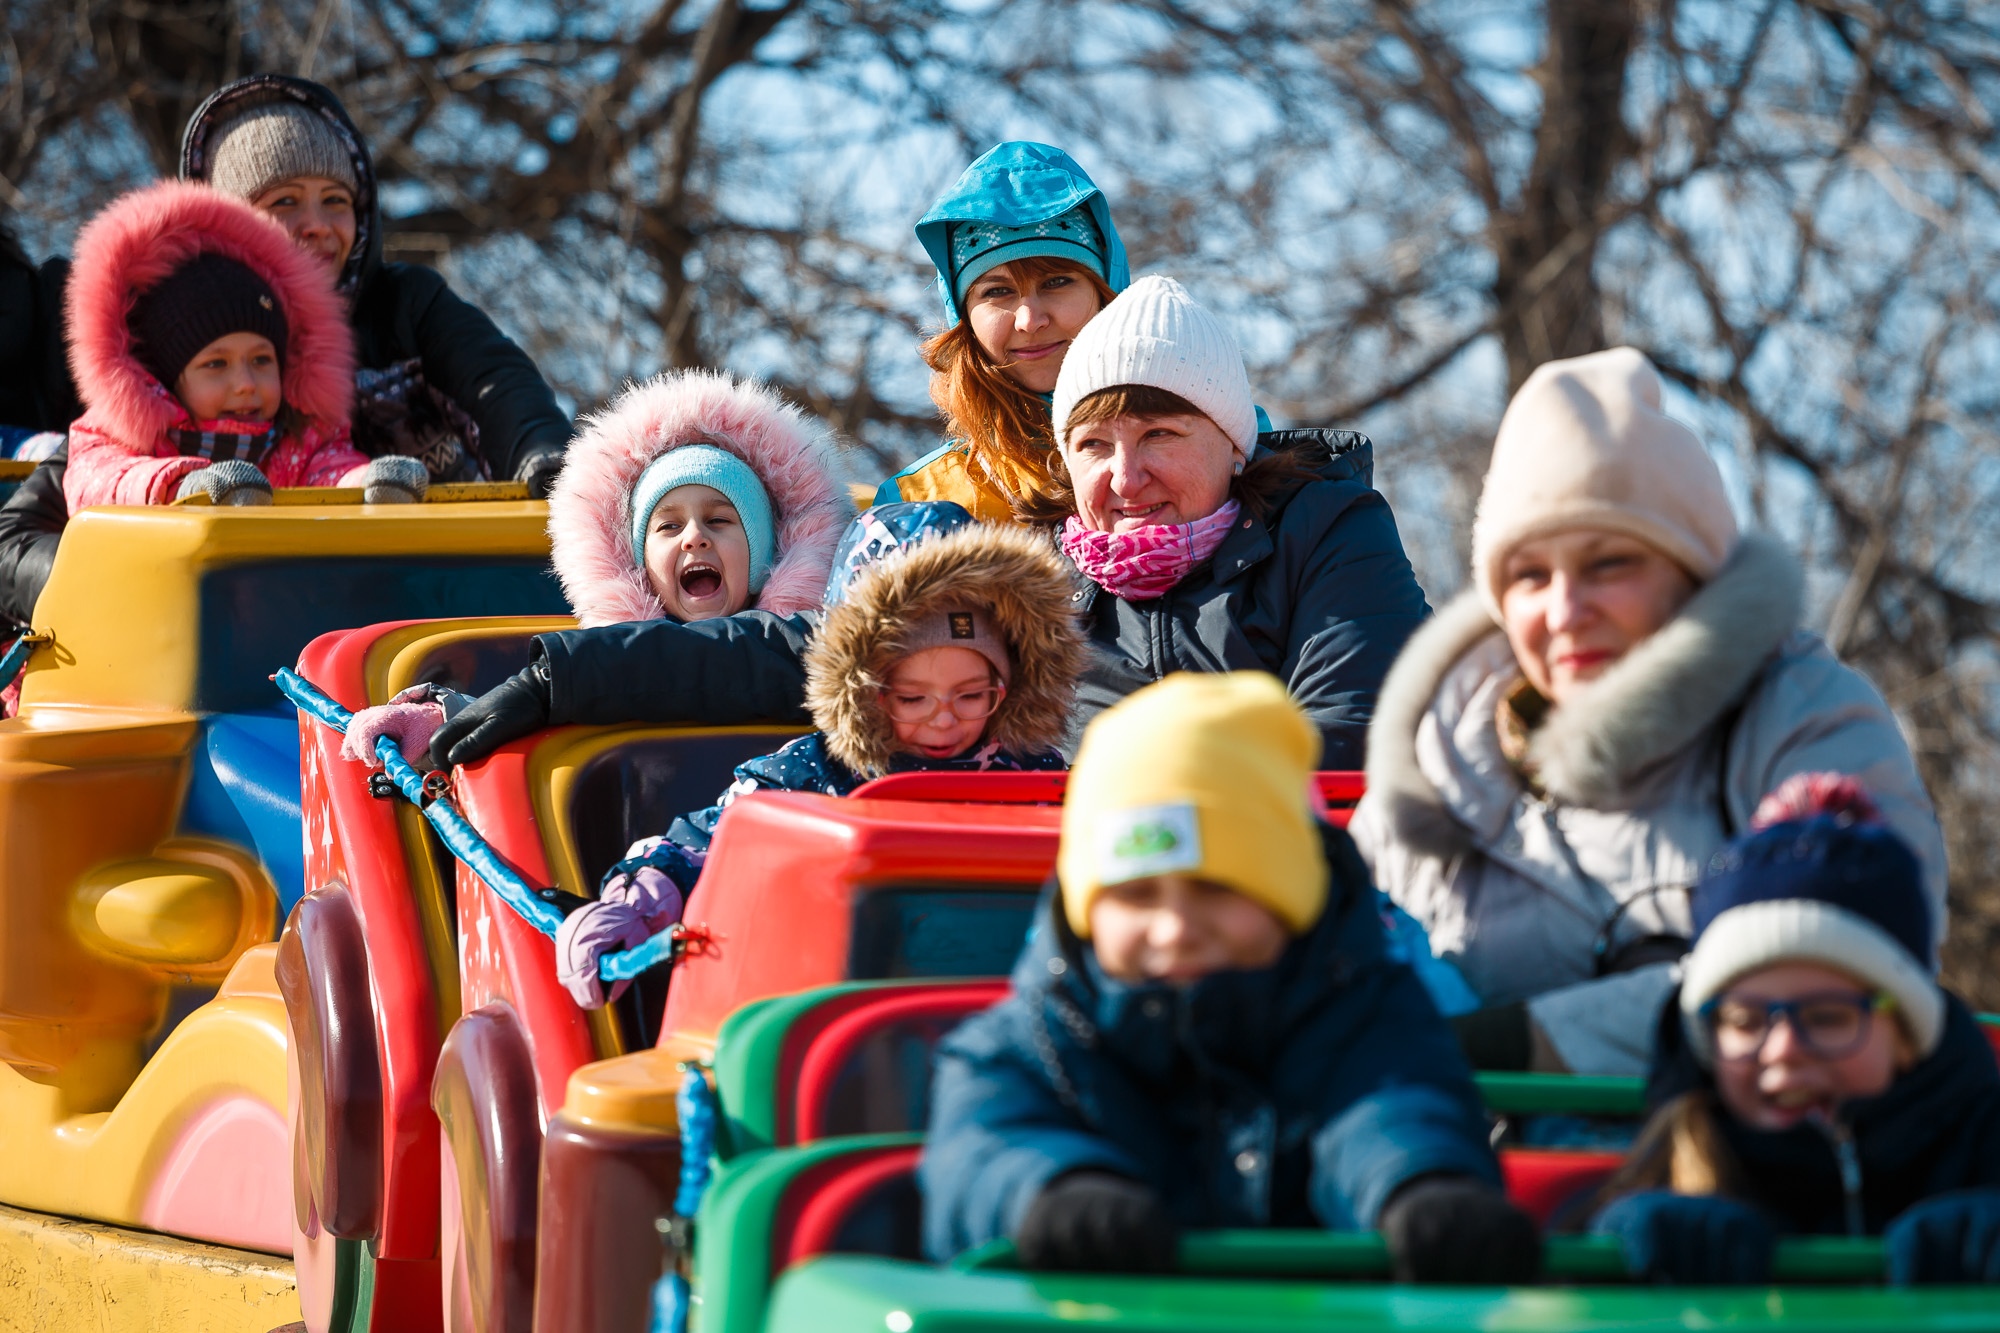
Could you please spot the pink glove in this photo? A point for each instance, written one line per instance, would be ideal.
(635, 908)
(651, 891)
(410, 725)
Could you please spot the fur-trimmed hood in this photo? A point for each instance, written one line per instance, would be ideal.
(1012, 575)
(590, 509)
(1653, 703)
(140, 240)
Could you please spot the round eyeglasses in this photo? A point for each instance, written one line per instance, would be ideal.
(1830, 1026)
(971, 706)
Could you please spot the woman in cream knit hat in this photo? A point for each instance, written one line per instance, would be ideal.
(1559, 751)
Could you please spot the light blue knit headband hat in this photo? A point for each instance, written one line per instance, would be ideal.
(977, 248)
(708, 465)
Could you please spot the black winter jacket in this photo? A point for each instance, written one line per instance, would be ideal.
(1320, 595)
(1937, 1129)
(36, 390)
(31, 524)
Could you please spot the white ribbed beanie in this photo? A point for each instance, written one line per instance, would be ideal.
(1154, 334)
(1585, 444)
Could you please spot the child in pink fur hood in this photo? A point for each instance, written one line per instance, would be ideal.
(211, 354)
(692, 496)
(651, 451)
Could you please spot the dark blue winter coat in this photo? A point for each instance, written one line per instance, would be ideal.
(1937, 1129)
(1297, 1095)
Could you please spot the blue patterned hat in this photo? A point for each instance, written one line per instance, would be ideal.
(977, 248)
(881, 529)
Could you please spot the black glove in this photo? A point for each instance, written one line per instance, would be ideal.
(538, 471)
(1457, 1229)
(1099, 1222)
(1950, 1238)
(1698, 1239)
(517, 707)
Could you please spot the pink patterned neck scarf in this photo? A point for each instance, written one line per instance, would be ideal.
(1144, 563)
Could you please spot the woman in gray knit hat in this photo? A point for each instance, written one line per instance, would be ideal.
(437, 380)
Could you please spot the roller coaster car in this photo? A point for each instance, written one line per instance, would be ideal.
(150, 839)
(812, 1220)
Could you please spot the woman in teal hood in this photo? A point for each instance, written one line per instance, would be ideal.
(1026, 253)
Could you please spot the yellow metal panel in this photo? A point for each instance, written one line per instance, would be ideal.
(59, 1276)
(100, 1165)
(123, 598)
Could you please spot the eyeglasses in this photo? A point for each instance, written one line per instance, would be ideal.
(1829, 1026)
(972, 706)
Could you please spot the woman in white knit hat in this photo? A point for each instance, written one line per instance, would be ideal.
(1204, 546)
(1557, 753)
(1199, 546)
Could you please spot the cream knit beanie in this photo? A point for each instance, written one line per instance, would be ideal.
(1154, 334)
(1584, 444)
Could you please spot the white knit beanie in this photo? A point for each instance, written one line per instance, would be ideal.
(1155, 335)
(1584, 444)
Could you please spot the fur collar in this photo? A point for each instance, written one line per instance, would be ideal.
(1011, 573)
(1655, 702)
(590, 509)
(139, 241)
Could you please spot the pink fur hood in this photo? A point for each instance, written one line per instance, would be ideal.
(138, 241)
(590, 509)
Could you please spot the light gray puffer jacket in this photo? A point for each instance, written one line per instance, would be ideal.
(1516, 889)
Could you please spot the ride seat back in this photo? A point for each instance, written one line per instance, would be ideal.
(838, 1061)
(803, 890)
(636, 787)
(1338, 791)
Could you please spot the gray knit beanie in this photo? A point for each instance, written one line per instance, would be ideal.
(274, 142)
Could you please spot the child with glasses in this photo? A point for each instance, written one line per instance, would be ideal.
(946, 645)
(1812, 1078)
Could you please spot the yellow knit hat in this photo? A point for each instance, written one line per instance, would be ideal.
(1201, 775)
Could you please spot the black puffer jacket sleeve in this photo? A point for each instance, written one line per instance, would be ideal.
(748, 667)
(408, 310)
(31, 524)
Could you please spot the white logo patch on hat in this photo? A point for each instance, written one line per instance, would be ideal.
(1147, 840)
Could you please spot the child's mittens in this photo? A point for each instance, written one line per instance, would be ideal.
(394, 479)
(1702, 1240)
(1457, 1229)
(634, 908)
(1951, 1238)
(410, 723)
(231, 482)
(1098, 1222)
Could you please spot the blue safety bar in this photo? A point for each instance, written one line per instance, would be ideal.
(463, 841)
(17, 655)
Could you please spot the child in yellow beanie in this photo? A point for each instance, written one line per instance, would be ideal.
(1205, 1028)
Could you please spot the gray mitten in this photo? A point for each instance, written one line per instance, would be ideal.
(232, 482)
(394, 480)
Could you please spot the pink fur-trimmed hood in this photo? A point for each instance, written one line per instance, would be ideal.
(137, 242)
(590, 509)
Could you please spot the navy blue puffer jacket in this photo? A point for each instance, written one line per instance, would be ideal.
(1298, 1095)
